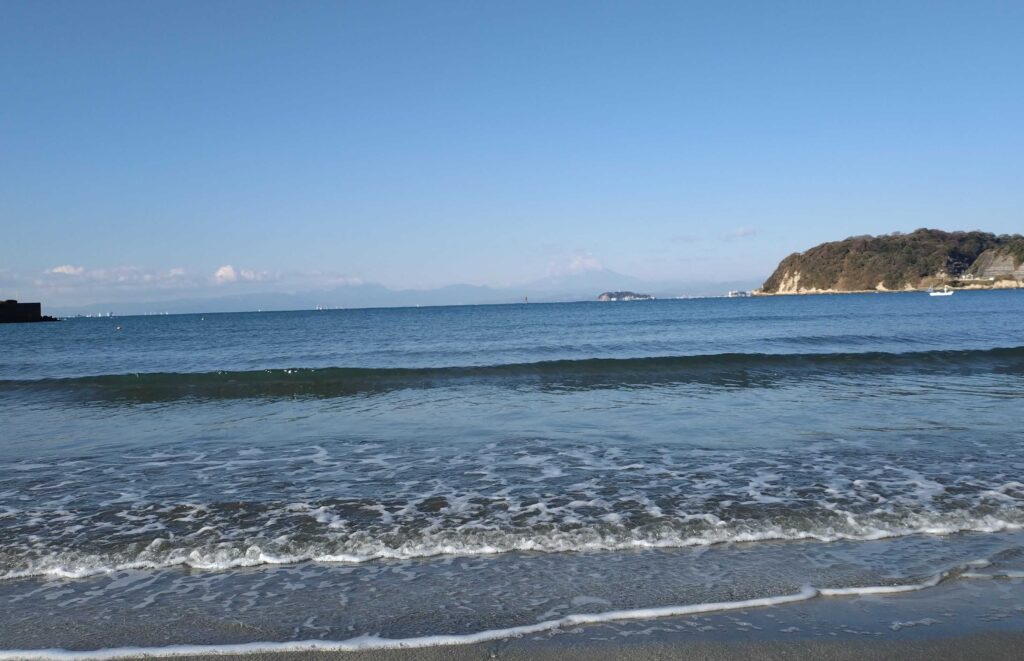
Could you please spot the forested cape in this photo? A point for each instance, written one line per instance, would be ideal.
(916, 260)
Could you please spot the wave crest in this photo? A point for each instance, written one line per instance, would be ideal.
(727, 370)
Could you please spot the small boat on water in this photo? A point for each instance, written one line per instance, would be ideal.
(946, 291)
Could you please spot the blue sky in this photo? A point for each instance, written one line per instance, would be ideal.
(146, 146)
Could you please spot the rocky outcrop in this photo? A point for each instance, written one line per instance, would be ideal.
(13, 312)
(999, 264)
(899, 262)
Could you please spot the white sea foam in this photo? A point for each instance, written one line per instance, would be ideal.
(455, 502)
(884, 589)
(68, 565)
(370, 642)
(377, 643)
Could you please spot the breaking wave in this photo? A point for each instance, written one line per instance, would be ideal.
(195, 553)
(726, 370)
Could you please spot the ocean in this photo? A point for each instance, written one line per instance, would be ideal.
(384, 477)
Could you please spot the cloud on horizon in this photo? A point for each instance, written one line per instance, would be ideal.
(67, 269)
(576, 264)
(228, 273)
(225, 274)
(71, 276)
(71, 284)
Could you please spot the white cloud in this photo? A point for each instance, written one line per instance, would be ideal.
(225, 274)
(117, 276)
(229, 273)
(583, 264)
(250, 275)
(574, 265)
(68, 284)
(67, 269)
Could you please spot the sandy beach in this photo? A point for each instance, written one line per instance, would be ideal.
(982, 619)
(996, 646)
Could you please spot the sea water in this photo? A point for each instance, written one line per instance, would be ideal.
(371, 478)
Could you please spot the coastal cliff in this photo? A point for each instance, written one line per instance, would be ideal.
(902, 262)
(1003, 263)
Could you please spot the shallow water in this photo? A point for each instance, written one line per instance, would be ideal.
(450, 471)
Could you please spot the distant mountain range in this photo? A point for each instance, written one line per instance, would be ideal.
(585, 286)
(921, 259)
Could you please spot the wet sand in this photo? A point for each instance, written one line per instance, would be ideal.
(996, 646)
(957, 620)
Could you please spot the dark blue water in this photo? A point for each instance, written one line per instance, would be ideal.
(510, 334)
(416, 472)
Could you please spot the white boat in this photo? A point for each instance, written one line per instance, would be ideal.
(946, 291)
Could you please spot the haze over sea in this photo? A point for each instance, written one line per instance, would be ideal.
(410, 473)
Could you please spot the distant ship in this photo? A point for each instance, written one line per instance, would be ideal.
(738, 294)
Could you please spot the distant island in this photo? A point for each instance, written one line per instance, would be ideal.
(903, 262)
(624, 296)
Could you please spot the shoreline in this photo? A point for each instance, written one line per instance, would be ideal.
(952, 619)
(995, 646)
(1009, 285)
(759, 294)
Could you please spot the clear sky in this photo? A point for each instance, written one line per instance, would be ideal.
(155, 146)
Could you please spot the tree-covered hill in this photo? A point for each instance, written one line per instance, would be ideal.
(893, 261)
